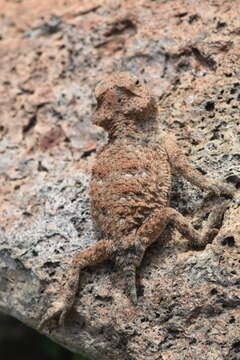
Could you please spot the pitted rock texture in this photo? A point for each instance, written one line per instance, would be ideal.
(52, 56)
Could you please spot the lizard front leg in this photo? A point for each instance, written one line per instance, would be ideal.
(62, 306)
(180, 164)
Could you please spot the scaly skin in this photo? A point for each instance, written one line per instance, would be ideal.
(131, 182)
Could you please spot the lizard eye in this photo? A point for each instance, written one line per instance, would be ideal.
(137, 82)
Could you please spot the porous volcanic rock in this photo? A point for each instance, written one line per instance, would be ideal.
(52, 55)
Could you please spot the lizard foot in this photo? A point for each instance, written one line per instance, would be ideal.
(213, 225)
(58, 310)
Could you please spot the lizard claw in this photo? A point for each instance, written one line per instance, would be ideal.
(63, 316)
(57, 310)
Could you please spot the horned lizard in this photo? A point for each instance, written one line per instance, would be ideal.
(130, 186)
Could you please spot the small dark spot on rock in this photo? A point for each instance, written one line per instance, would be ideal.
(221, 24)
(213, 291)
(229, 100)
(181, 14)
(103, 298)
(193, 18)
(208, 342)
(41, 167)
(215, 136)
(120, 27)
(209, 106)
(236, 346)
(205, 217)
(50, 264)
(232, 320)
(233, 91)
(34, 253)
(140, 290)
(183, 65)
(193, 341)
(229, 241)
(228, 302)
(225, 156)
(173, 330)
(236, 156)
(26, 213)
(31, 123)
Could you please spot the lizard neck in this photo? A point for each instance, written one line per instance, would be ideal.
(132, 126)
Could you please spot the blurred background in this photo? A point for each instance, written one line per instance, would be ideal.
(18, 341)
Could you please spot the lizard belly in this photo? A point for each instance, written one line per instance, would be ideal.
(127, 185)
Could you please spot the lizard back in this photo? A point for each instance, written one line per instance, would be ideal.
(130, 178)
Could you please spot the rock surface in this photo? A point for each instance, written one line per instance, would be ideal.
(52, 56)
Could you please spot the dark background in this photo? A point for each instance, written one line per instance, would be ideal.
(18, 341)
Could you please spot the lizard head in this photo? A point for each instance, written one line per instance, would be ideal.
(122, 94)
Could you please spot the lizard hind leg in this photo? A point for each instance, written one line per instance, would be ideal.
(196, 238)
(66, 297)
(131, 248)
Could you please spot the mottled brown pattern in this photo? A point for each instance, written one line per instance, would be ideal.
(131, 182)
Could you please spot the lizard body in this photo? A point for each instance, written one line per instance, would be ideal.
(130, 187)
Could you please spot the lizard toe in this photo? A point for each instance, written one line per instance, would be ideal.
(51, 314)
